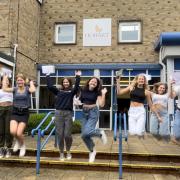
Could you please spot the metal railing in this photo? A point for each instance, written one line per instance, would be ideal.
(118, 119)
(120, 136)
(40, 134)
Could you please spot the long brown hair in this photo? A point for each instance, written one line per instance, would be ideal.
(156, 86)
(97, 88)
(70, 83)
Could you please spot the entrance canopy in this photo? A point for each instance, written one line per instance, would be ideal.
(112, 66)
(6, 59)
(167, 39)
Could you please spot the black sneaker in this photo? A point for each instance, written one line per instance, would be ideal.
(1, 152)
(8, 153)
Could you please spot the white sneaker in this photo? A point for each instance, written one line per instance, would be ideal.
(69, 156)
(61, 158)
(16, 146)
(103, 137)
(8, 153)
(22, 151)
(92, 156)
(1, 152)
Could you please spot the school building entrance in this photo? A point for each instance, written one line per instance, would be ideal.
(106, 72)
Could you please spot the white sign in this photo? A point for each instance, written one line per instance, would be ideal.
(97, 32)
(48, 69)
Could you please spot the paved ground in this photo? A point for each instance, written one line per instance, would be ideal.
(134, 145)
(56, 174)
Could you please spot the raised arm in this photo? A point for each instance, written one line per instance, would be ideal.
(5, 83)
(77, 82)
(101, 99)
(32, 87)
(172, 93)
(119, 90)
(50, 85)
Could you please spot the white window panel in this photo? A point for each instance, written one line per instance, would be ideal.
(129, 32)
(65, 33)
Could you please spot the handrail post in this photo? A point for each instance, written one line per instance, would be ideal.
(38, 151)
(120, 148)
(125, 126)
(55, 140)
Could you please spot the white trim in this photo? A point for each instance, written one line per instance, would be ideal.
(73, 33)
(6, 62)
(40, 1)
(130, 24)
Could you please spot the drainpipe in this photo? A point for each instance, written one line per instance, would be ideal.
(14, 67)
(163, 72)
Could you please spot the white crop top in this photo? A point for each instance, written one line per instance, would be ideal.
(177, 90)
(160, 99)
(6, 96)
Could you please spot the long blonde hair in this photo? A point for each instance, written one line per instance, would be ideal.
(134, 82)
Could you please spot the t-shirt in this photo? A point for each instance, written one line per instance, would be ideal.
(6, 96)
(177, 91)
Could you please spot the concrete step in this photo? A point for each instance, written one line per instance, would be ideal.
(98, 165)
(174, 158)
(151, 163)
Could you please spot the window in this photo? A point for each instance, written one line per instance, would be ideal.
(65, 33)
(129, 32)
(40, 1)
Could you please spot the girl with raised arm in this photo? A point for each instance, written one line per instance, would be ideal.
(138, 91)
(175, 92)
(20, 112)
(91, 94)
(6, 101)
(159, 125)
(64, 112)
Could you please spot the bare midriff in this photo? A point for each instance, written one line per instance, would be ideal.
(136, 104)
(4, 104)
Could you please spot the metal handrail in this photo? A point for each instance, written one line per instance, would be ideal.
(40, 134)
(121, 136)
(40, 124)
(47, 127)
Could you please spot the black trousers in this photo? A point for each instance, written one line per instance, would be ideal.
(5, 136)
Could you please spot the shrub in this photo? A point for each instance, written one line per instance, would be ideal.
(76, 127)
(35, 119)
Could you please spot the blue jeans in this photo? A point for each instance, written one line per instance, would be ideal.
(89, 121)
(157, 128)
(176, 127)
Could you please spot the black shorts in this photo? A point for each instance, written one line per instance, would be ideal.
(20, 116)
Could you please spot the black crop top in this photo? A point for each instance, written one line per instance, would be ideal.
(89, 97)
(138, 95)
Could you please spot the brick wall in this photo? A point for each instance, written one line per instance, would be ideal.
(157, 16)
(19, 23)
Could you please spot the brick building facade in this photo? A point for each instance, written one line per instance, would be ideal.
(31, 25)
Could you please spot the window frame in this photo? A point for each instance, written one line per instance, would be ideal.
(74, 33)
(124, 22)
